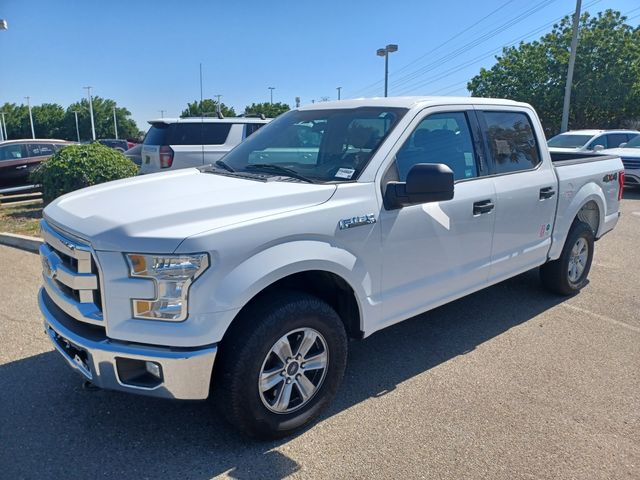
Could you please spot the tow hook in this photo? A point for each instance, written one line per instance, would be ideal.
(89, 386)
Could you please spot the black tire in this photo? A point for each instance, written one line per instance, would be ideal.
(245, 351)
(555, 275)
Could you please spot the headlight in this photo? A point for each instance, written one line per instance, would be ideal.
(173, 275)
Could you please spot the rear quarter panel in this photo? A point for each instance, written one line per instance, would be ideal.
(580, 183)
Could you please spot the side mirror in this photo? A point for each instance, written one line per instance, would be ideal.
(426, 182)
(622, 145)
(598, 148)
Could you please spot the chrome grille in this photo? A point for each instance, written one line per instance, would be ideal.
(70, 276)
(631, 163)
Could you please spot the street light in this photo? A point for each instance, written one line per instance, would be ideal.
(33, 132)
(3, 25)
(115, 122)
(219, 108)
(272, 89)
(4, 125)
(75, 112)
(384, 52)
(338, 88)
(93, 127)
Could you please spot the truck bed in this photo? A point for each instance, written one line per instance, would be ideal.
(570, 158)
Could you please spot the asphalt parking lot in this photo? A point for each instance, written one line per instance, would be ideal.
(511, 382)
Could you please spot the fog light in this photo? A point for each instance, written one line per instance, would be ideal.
(153, 368)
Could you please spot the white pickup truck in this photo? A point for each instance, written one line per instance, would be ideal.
(247, 278)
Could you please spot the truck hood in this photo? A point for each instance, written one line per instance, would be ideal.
(154, 213)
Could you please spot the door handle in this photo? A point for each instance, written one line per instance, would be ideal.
(21, 167)
(483, 206)
(547, 192)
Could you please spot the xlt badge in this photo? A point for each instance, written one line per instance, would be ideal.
(346, 223)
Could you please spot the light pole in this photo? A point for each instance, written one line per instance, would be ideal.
(4, 126)
(162, 113)
(218, 107)
(115, 122)
(2, 139)
(93, 126)
(272, 89)
(338, 88)
(3, 24)
(75, 112)
(33, 132)
(564, 124)
(384, 52)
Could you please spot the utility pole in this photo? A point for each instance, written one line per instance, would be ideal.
(338, 88)
(297, 102)
(272, 89)
(564, 126)
(77, 128)
(115, 122)
(4, 125)
(33, 132)
(93, 126)
(219, 108)
(162, 113)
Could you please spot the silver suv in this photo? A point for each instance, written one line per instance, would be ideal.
(173, 143)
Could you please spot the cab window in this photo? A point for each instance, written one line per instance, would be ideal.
(512, 143)
(440, 138)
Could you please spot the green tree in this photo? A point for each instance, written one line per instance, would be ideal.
(270, 110)
(606, 84)
(17, 118)
(103, 120)
(206, 108)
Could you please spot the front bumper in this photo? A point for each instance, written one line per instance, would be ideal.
(185, 373)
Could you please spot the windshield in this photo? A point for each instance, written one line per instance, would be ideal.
(565, 140)
(321, 145)
(634, 142)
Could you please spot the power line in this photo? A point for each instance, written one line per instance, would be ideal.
(378, 82)
(459, 67)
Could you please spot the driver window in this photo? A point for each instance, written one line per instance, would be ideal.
(440, 138)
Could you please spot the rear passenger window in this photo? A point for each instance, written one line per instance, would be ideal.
(440, 138)
(40, 149)
(251, 128)
(512, 142)
(215, 133)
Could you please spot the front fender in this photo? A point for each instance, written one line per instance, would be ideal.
(569, 205)
(268, 266)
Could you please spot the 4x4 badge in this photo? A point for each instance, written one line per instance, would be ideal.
(346, 223)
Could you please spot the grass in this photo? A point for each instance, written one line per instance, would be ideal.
(21, 219)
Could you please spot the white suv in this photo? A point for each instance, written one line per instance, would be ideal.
(173, 143)
(590, 140)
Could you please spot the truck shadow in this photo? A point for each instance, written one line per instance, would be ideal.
(52, 428)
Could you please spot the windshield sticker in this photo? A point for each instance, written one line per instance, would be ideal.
(345, 173)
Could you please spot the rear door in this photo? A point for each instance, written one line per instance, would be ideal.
(526, 189)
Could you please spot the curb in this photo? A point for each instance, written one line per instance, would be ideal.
(24, 242)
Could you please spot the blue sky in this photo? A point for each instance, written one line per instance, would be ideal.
(146, 54)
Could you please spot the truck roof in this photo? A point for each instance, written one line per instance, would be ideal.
(596, 131)
(410, 102)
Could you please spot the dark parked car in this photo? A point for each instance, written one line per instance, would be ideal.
(18, 158)
(117, 144)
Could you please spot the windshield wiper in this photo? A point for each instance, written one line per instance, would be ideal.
(224, 165)
(288, 172)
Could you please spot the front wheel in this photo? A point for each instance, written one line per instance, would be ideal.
(568, 274)
(281, 365)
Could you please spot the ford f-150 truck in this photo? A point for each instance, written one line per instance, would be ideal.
(245, 279)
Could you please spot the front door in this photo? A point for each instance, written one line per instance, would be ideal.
(435, 252)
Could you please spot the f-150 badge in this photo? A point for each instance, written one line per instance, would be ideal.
(346, 223)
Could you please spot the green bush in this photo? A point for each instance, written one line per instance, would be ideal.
(79, 166)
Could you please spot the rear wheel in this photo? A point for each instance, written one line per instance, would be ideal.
(281, 365)
(568, 274)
